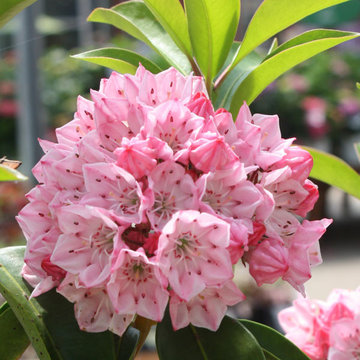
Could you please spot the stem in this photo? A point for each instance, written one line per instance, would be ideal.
(209, 86)
(202, 350)
(222, 77)
(143, 325)
(194, 66)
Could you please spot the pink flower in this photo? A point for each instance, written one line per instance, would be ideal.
(134, 287)
(344, 339)
(325, 330)
(113, 188)
(269, 261)
(86, 243)
(192, 253)
(94, 311)
(206, 309)
(150, 196)
(212, 153)
(172, 190)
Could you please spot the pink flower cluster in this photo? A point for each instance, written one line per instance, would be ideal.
(325, 330)
(150, 197)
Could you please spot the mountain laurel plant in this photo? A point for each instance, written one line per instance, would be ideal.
(152, 206)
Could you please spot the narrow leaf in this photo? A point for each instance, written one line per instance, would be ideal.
(14, 340)
(334, 171)
(175, 25)
(232, 341)
(275, 345)
(49, 319)
(121, 60)
(226, 91)
(308, 36)
(8, 174)
(278, 64)
(137, 20)
(212, 28)
(272, 16)
(9, 8)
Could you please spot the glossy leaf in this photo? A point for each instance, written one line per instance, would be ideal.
(8, 174)
(137, 20)
(9, 8)
(334, 171)
(308, 36)
(275, 345)
(227, 89)
(128, 343)
(232, 341)
(14, 340)
(272, 16)
(175, 25)
(276, 65)
(121, 60)
(49, 319)
(212, 28)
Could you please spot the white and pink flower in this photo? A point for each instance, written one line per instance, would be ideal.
(150, 196)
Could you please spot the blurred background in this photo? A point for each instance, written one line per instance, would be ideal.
(317, 102)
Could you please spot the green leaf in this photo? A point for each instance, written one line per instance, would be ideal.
(358, 85)
(282, 61)
(9, 8)
(212, 28)
(308, 36)
(14, 340)
(49, 319)
(334, 171)
(121, 60)
(270, 356)
(232, 341)
(273, 343)
(272, 16)
(128, 343)
(8, 174)
(137, 20)
(228, 87)
(357, 150)
(175, 25)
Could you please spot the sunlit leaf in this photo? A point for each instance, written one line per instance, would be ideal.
(9, 8)
(212, 28)
(121, 60)
(277, 64)
(274, 344)
(8, 174)
(175, 25)
(228, 87)
(13, 339)
(232, 341)
(308, 36)
(272, 16)
(334, 171)
(137, 20)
